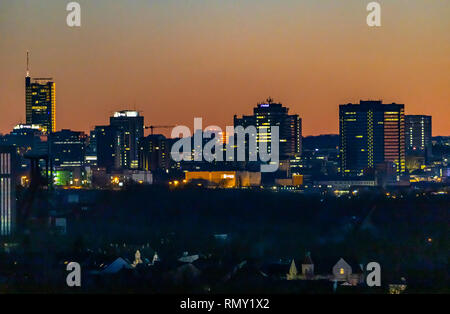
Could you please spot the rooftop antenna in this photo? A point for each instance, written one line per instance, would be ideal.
(28, 64)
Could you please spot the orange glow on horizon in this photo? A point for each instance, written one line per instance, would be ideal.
(177, 60)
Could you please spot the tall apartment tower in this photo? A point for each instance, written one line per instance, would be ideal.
(7, 191)
(372, 134)
(268, 114)
(40, 102)
(107, 147)
(131, 127)
(154, 153)
(418, 135)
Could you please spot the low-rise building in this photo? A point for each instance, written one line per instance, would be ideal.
(225, 179)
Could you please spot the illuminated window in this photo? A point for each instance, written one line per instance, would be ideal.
(341, 271)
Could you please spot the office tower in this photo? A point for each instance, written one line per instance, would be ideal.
(199, 158)
(269, 113)
(26, 139)
(154, 153)
(108, 147)
(131, 127)
(418, 135)
(40, 102)
(67, 148)
(7, 191)
(371, 134)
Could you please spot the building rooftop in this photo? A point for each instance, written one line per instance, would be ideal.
(126, 113)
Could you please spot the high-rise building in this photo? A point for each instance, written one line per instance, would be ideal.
(154, 153)
(131, 127)
(7, 191)
(418, 134)
(371, 133)
(26, 139)
(67, 148)
(268, 114)
(40, 102)
(107, 140)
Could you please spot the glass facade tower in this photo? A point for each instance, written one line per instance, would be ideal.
(371, 134)
(40, 101)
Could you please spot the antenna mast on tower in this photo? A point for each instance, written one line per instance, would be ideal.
(28, 64)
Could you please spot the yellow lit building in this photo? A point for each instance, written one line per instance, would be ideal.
(371, 134)
(40, 102)
(226, 179)
(296, 180)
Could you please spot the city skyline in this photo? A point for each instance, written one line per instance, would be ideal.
(224, 154)
(223, 71)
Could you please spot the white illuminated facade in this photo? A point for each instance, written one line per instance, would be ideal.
(28, 126)
(7, 192)
(126, 113)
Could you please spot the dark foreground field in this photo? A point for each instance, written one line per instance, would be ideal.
(407, 236)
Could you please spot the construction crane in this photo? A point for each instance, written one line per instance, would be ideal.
(152, 127)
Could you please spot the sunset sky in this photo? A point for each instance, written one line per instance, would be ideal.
(179, 59)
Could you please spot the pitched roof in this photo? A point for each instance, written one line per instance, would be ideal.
(342, 263)
(189, 259)
(293, 268)
(116, 266)
(308, 259)
(325, 265)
